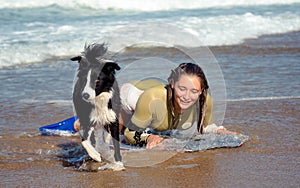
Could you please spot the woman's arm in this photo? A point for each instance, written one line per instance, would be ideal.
(213, 128)
(130, 134)
(150, 140)
(225, 131)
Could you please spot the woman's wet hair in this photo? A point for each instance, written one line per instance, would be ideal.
(188, 69)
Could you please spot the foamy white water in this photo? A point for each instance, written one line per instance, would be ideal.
(137, 5)
(36, 31)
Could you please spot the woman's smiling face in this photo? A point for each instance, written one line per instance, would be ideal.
(187, 91)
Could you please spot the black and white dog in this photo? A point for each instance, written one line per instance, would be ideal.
(97, 104)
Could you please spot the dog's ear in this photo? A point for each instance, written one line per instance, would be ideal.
(116, 66)
(112, 66)
(76, 58)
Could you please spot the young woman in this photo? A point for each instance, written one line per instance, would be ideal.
(183, 104)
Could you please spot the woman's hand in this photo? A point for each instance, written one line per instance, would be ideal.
(153, 140)
(225, 131)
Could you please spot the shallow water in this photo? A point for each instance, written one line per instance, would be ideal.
(270, 158)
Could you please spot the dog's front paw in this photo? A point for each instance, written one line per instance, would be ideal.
(91, 150)
(116, 166)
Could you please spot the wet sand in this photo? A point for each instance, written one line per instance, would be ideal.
(269, 159)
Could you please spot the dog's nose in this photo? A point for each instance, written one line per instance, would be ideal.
(86, 96)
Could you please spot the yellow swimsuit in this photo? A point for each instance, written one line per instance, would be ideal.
(151, 111)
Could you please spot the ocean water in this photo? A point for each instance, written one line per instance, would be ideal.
(35, 31)
(39, 35)
(250, 51)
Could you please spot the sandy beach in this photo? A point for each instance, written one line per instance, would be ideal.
(269, 159)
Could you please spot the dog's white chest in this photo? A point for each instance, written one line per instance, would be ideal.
(101, 113)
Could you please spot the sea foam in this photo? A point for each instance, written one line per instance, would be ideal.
(33, 37)
(137, 5)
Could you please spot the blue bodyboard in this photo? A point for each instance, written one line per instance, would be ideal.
(64, 127)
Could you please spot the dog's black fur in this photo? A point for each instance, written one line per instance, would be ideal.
(100, 72)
